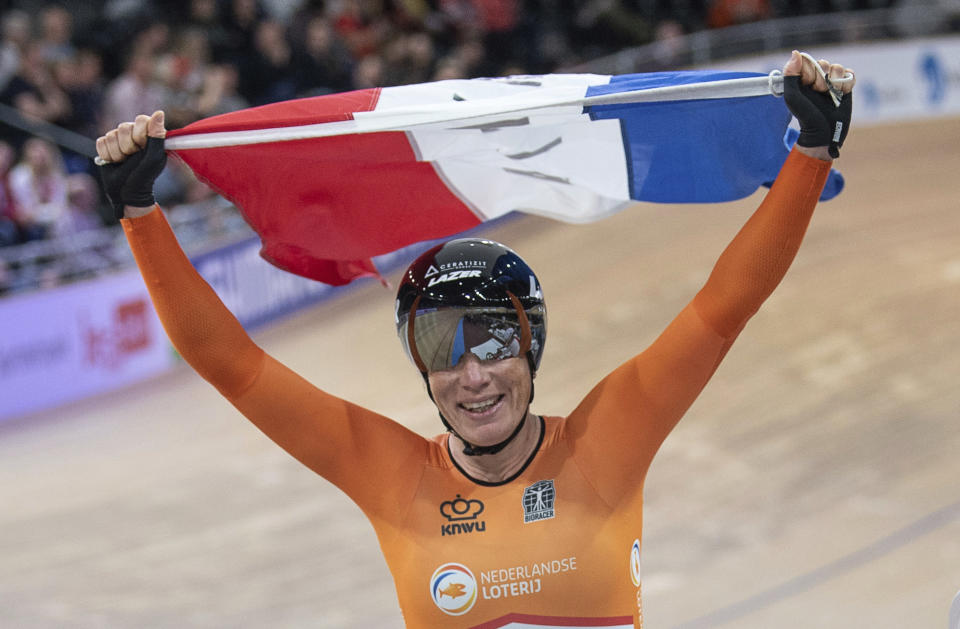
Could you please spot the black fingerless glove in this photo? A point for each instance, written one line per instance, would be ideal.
(821, 122)
(130, 182)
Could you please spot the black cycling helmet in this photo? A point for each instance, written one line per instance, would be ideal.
(470, 295)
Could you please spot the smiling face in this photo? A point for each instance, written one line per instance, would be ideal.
(483, 400)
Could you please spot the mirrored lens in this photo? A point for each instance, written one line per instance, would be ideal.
(443, 337)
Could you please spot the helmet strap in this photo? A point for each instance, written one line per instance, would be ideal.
(471, 450)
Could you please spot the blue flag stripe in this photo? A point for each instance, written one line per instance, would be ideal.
(699, 151)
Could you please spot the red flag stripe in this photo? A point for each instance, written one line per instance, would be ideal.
(376, 198)
(303, 111)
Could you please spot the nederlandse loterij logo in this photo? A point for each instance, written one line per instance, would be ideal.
(635, 563)
(454, 589)
(538, 501)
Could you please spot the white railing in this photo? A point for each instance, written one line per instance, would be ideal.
(46, 263)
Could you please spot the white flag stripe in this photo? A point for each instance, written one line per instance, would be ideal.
(574, 170)
(526, 102)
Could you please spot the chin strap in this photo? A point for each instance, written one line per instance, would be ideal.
(473, 450)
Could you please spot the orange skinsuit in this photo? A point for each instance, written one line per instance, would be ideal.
(559, 542)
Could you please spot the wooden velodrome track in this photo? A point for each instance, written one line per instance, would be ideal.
(816, 483)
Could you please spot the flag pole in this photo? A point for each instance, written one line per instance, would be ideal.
(464, 111)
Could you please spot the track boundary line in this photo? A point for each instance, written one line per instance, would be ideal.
(803, 582)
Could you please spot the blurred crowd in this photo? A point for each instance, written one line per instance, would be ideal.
(85, 66)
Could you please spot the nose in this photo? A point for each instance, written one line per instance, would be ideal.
(472, 372)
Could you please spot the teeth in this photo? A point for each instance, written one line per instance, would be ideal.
(480, 406)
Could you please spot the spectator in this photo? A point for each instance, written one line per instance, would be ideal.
(322, 64)
(450, 67)
(16, 35)
(83, 196)
(39, 187)
(369, 72)
(240, 25)
(154, 39)
(724, 13)
(267, 73)
(56, 32)
(470, 53)
(497, 16)
(499, 21)
(410, 58)
(9, 230)
(133, 91)
(458, 21)
(34, 92)
(205, 16)
(81, 78)
(183, 73)
(362, 27)
(669, 45)
(219, 94)
(606, 25)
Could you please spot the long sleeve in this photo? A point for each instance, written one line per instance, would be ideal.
(352, 447)
(200, 327)
(626, 417)
(758, 257)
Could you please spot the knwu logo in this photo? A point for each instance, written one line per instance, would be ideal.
(538, 501)
(462, 515)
